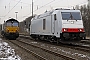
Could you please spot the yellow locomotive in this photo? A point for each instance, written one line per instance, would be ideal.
(10, 29)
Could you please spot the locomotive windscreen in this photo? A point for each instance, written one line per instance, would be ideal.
(12, 23)
(71, 16)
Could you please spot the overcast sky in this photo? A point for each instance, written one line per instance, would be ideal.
(9, 7)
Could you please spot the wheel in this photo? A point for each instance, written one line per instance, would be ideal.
(57, 41)
(84, 38)
(62, 38)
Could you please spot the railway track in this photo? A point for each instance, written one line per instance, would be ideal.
(85, 41)
(58, 55)
(53, 52)
(82, 46)
(29, 51)
(77, 46)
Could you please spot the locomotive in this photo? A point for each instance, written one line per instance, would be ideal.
(58, 24)
(10, 29)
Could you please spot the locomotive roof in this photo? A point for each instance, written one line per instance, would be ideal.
(11, 20)
(55, 11)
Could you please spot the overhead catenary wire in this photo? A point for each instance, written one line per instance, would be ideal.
(41, 7)
(25, 2)
(53, 1)
(46, 4)
(15, 6)
(78, 4)
(8, 4)
(12, 8)
(22, 2)
(29, 4)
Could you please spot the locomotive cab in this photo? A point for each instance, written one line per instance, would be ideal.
(72, 25)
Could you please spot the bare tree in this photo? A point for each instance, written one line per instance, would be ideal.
(85, 12)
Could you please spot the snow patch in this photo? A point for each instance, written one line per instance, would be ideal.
(34, 42)
(0, 39)
(85, 45)
(7, 53)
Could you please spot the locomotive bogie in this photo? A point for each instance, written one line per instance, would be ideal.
(73, 35)
(11, 35)
(49, 38)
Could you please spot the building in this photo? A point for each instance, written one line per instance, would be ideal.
(25, 25)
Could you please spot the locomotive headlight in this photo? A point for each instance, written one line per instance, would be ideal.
(81, 30)
(16, 31)
(64, 30)
(7, 30)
